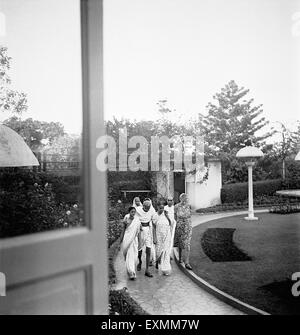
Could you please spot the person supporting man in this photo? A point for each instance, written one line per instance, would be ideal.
(146, 235)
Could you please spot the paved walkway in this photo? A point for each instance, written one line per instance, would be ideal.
(176, 294)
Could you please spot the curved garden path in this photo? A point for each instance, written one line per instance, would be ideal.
(176, 294)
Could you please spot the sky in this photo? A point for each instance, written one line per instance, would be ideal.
(43, 40)
(180, 50)
(187, 50)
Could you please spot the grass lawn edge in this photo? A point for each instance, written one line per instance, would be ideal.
(225, 297)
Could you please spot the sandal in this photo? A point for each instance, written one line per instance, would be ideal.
(187, 266)
(148, 274)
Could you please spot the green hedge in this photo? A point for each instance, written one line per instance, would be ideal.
(238, 192)
(32, 202)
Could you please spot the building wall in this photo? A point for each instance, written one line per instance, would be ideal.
(163, 179)
(207, 193)
(201, 195)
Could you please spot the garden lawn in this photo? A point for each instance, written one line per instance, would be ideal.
(272, 243)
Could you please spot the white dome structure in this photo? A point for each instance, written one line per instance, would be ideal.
(13, 149)
(249, 152)
(297, 158)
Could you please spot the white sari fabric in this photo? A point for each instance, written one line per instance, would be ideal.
(163, 243)
(170, 210)
(130, 245)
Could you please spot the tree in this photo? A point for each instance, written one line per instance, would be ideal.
(35, 133)
(286, 146)
(10, 100)
(232, 121)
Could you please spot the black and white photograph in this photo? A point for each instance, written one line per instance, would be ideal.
(150, 159)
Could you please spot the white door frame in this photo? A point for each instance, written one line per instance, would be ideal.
(36, 266)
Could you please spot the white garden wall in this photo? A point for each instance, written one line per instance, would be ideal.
(207, 193)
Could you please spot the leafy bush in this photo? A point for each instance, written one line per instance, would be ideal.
(118, 181)
(112, 254)
(292, 181)
(33, 202)
(238, 192)
(121, 303)
(114, 230)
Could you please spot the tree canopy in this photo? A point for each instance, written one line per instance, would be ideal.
(232, 120)
(10, 100)
(35, 133)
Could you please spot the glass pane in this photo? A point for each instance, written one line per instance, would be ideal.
(40, 116)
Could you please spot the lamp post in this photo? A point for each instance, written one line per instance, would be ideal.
(250, 154)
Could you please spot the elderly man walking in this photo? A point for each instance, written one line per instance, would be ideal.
(146, 234)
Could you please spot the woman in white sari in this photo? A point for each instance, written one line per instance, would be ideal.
(163, 239)
(136, 202)
(129, 240)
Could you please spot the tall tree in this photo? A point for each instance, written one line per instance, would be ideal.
(285, 146)
(232, 120)
(10, 100)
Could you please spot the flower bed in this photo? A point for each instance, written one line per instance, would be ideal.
(285, 209)
(259, 202)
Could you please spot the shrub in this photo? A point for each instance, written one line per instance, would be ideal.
(285, 209)
(120, 302)
(233, 193)
(293, 176)
(112, 254)
(30, 202)
(114, 230)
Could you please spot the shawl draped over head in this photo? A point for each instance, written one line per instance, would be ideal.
(134, 204)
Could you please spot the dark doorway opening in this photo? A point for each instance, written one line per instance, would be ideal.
(179, 185)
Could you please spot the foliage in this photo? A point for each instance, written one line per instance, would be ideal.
(230, 124)
(285, 146)
(35, 133)
(286, 208)
(10, 100)
(128, 180)
(236, 171)
(34, 202)
(232, 120)
(114, 231)
(121, 303)
(238, 192)
(293, 175)
(112, 254)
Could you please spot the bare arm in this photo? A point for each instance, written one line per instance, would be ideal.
(154, 234)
